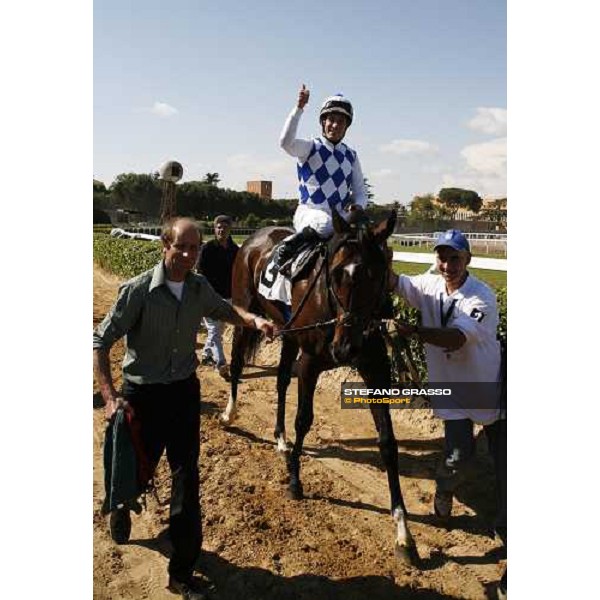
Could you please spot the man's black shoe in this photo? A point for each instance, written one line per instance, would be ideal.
(190, 589)
(501, 591)
(120, 525)
(207, 360)
(286, 251)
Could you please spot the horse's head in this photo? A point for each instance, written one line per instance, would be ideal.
(358, 271)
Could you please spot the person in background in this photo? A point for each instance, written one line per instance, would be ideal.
(215, 262)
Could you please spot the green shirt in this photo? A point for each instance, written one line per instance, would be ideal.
(160, 331)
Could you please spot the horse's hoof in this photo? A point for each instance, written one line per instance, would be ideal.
(282, 448)
(295, 492)
(407, 555)
(227, 420)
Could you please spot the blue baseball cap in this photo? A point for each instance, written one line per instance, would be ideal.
(455, 239)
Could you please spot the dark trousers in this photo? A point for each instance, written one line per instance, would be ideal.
(169, 418)
(458, 454)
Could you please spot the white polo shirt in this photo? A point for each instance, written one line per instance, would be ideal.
(472, 309)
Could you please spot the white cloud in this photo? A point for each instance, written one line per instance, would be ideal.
(257, 167)
(161, 109)
(486, 187)
(409, 147)
(484, 170)
(489, 120)
(432, 169)
(239, 161)
(383, 173)
(487, 158)
(243, 167)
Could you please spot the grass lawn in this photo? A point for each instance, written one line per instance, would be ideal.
(425, 248)
(495, 279)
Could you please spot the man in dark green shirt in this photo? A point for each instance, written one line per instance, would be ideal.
(159, 313)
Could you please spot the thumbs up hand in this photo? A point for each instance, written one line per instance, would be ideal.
(303, 96)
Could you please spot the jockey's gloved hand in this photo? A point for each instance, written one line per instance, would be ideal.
(358, 215)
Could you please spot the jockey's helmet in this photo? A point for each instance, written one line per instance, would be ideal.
(337, 104)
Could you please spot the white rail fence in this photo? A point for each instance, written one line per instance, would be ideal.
(486, 243)
(477, 262)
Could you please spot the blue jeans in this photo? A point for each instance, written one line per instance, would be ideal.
(214, 339)
(458, 454)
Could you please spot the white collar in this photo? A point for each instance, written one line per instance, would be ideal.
(459, 294)
(329, 145)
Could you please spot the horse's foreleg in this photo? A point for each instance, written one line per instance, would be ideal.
(289, 351)
(307, 381)
(374, 368)
(241, 337)
(404, 545)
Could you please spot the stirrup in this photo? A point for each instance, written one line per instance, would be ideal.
(279, 254)
(286, 268)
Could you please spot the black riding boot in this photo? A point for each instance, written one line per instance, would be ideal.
(292, 246)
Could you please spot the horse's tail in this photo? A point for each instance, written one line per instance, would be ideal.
(252, 344)
(253, 336)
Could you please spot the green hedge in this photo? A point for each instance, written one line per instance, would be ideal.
(125, 257)
(103, 228)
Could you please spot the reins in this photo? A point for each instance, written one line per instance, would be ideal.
(286, 328)
(346, 318)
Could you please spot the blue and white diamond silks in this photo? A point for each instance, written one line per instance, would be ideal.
(326, 175)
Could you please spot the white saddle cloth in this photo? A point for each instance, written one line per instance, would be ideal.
(273, 285)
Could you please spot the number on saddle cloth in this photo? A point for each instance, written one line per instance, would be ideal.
(276, 286)
(273, 285)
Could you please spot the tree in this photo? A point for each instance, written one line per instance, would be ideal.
(99, 187)
(495, 212)
(100, 216)
(401, 212)
(101, 197)
(141, 192)
(212, 179)
(198, 199)
(252, 220)
(422, 208)
(455, 198)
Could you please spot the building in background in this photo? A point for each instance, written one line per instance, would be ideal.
(264, 189)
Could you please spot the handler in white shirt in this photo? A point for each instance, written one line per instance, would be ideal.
(459, 321)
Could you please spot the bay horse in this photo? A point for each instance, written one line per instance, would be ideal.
(336, 306)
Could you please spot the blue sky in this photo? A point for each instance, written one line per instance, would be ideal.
(211, 83)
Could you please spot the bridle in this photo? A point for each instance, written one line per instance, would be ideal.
(350, 315)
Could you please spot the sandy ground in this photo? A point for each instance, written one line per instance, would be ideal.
(338, 542)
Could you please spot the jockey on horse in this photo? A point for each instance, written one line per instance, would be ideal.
(329, 174)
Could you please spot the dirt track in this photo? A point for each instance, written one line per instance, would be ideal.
(338, 542)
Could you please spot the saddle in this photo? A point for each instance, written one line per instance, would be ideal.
(298, 264)
(276, 284)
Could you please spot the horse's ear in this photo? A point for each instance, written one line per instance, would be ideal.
(383, 230)
(339, 224)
